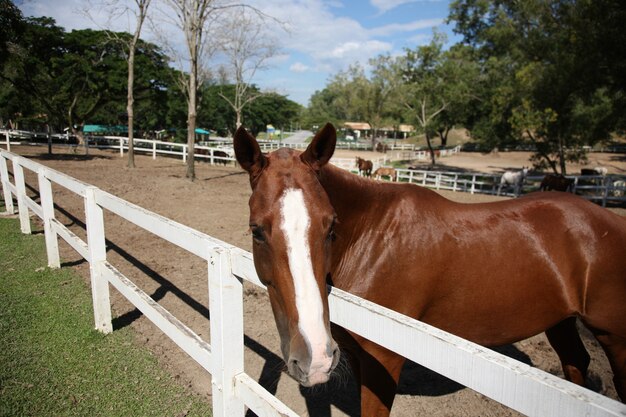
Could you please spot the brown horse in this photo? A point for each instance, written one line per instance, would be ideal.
(365, 166)
(492, 273)
(556, 182)
(385, 172)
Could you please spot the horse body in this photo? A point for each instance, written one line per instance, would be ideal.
(365, 166)
(556, 182)
(514, 179)
(451, 239)
(492, 273)
(385, 172)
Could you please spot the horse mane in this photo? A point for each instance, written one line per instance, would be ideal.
(343, 185)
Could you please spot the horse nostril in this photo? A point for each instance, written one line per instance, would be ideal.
(295, 369)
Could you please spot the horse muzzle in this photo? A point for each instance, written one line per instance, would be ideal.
(308, 372)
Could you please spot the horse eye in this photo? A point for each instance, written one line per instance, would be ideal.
(258, 233)
(331, 232)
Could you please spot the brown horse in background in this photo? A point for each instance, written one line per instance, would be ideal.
(365, 166)
(493, 273)
(385, 172)
(556, 182)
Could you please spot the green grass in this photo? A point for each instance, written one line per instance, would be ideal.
(52, 362)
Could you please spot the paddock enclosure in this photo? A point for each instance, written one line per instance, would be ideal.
(181, 270)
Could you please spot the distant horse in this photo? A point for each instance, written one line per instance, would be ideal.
(448, 264)
(619, 187)
(556, 182)
(514, 179)
(221, 157)
(385, 172)
(594, 171)
(382, 147)
(365, 166)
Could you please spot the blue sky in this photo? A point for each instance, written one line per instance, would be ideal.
(324, 37)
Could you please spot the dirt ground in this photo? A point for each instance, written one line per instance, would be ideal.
(216, 204)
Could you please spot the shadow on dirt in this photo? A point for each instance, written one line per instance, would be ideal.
(67, 157)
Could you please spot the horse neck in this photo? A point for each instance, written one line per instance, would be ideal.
(341, 187)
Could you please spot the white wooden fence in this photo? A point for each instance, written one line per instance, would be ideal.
(601, 189)
(512, 383)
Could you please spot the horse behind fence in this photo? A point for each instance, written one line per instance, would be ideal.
(513, 179)
(365, 166)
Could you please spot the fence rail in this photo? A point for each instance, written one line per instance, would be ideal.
(516, 385)
(601, 189)
(207, 150)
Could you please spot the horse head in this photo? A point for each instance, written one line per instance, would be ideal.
(292, 220)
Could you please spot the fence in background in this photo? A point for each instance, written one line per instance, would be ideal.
(205, 150)
(514, 384)
(600, 189)
(610, 189)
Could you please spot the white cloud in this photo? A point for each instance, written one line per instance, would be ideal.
(356, 51)
(395, 28)
(299, 67)
(319, 42)
(386, 5)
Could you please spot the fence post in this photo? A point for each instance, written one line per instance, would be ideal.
(20, 185)
(8, 141)
(97, 256)
(226, 311)
(606, 183)
(4, 177)
(121, 147)
(184, 153)
(154, 149)
(47, 205)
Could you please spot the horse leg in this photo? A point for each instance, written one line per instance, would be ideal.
(615, 348)
(574, 358)
(379, 373)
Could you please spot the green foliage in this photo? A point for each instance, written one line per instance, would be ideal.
(52, 362)
(555, 71)
(50, 76)
(268, 108)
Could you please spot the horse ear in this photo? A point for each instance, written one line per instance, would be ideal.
(321, 148)
(248, 153)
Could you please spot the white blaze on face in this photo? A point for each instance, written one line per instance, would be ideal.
(295, 223)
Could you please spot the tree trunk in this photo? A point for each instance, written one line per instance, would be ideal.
(130, 107)
(238, 123)
(562, 157)
(191, 126)
(443, 134)
(430, 148)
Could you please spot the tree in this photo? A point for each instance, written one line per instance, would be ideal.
(559, 67)
(194, 18)
(198, 20)
(117, 10)
(11, 28)
(426, 86)
(268, 108)
(26, 70)
(322, 109)
(374, 93)
(65, 79)
(247, 48)
(464, 92)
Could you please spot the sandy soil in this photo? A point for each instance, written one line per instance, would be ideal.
(216, 203)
